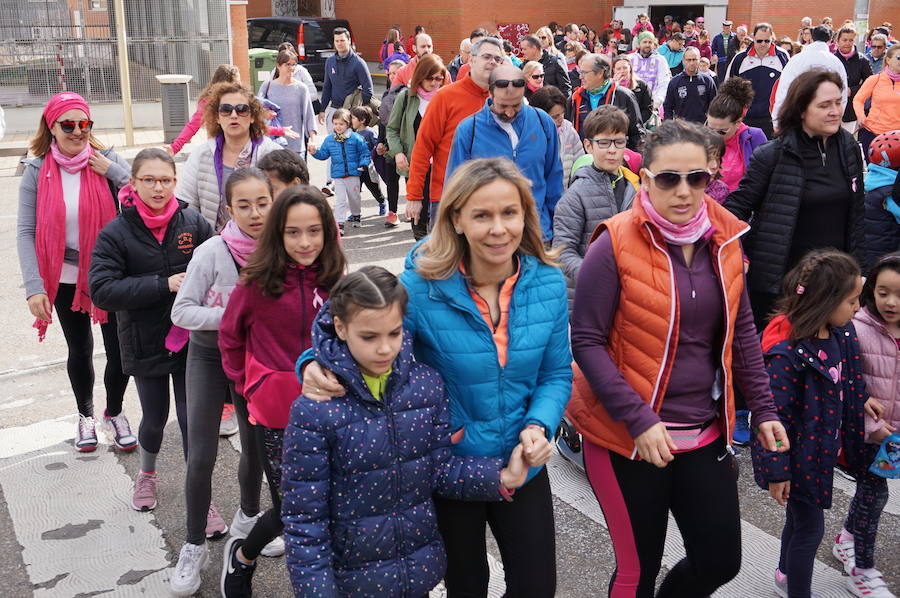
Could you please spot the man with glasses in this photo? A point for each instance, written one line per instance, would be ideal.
(435, 137)
(762, 65)
(598, 89)
(814, 55)
(554, 74)
(465, 52)
(690, 91)
(476, 35)
(724, 47)
(877, 46)
(509, 128)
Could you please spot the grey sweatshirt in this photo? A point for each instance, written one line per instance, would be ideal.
(118, 173)
(211, 276)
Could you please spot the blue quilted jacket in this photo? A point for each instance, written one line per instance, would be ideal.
(347, 156)
(490, 403)
(358, 475)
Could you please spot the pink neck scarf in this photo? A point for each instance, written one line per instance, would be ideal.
(678, 234)
(96, 207)
(849, 54)
(891, 74)
(239, 243)
(426, 95)
(157, 223)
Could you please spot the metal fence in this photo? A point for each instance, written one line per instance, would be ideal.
(47, 46)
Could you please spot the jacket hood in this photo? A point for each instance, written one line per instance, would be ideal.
(865, 316)
(778, 330)
(333, 353)
(879, 176)
(590, 174)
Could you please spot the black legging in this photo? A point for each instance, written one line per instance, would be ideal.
(525, 534)
(153, 392)
(76, 327)
(699, 488)
(392, 181)
(420, 227)
(373, 186)
(268, 526)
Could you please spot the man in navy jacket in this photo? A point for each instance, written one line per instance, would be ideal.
(507, 127)
(690, 91)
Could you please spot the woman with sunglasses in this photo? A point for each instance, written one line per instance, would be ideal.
(409, 108)
(725, 116)
(294, 100)
(802, 191)
(68, 193)
(534, 77)
(662, 332)
(236, 125)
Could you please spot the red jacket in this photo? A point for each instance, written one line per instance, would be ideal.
(448, 108)
(261, 337)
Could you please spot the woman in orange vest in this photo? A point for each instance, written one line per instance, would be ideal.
(662, 331)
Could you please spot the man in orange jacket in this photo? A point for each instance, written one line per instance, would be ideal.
(448, 108)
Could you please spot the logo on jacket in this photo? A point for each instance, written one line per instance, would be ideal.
(186, 242)
(317, 299)
(682, 92)
(701, 89)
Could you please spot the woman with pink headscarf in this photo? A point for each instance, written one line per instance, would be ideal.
(68, 193)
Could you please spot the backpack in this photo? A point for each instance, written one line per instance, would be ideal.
(387, 103)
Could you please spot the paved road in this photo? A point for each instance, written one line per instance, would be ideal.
(67, 530)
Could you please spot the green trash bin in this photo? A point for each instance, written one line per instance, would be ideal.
(262, 62)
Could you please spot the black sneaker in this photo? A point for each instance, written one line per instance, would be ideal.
(237, 578)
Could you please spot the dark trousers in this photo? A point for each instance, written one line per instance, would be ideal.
(865, 139)
(804, 526)
(269, 526)
(373, 186)
(525, 534)
(420, 227)
(153, 392)
(764, 123)
(392, 181)
(207, 387)
(699, 488)
(76, 328)
(865, 512)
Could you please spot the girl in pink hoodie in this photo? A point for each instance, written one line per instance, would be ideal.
(878, 328)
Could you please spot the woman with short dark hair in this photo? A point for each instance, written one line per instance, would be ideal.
(803, 190)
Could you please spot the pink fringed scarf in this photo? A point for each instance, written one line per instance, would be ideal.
(96, 207)
(678, 234)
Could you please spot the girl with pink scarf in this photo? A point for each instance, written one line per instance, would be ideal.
(66, 196)
(137, 266)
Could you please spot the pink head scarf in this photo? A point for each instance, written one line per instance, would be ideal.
(63, 102)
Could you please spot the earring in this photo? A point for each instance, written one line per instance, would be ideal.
(458, 230)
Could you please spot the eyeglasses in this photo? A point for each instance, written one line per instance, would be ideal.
(721, 132)
(879, 47)
(68, 126)
(763, 41)
(543, 37)
(504, 83)
(491, 58)
(291, 64)
(669, 179)
(536, 77)
(227, 109)
(150, 182)
(619, 142)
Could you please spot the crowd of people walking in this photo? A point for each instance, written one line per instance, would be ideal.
(672, 241)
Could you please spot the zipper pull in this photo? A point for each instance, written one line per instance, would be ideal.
(693, 293)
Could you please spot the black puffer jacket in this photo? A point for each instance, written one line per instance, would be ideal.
(858, 70)
(554, 74)
(769, 199)
(882, 229)
(129, 275)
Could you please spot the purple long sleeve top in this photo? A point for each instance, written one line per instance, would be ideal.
(690, 392)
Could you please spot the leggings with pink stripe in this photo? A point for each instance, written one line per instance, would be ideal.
(699, 488)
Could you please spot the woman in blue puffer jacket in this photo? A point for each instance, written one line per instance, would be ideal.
(359, 471)
(487, 310)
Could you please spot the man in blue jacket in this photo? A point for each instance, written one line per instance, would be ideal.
(344, 72)
(507, 127)
(724, 47)
(690, 91)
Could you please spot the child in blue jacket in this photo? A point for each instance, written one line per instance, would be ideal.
(359, 470)
(349, 158)
(812, 356)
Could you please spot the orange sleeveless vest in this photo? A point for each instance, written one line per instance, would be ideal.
(644, 337)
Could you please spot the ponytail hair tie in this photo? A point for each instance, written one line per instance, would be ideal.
(801, 289)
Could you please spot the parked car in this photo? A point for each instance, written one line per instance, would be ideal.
(313, 38)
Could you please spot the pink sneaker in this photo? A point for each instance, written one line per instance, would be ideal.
(144, 498)
(215, 525)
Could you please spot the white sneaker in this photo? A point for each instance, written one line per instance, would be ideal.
(844, 552)
(868, 584)
(241, 526)
(186, 577)
(85, 434)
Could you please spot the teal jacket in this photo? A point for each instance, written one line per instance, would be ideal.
(490, 403)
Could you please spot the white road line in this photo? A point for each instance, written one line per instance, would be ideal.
(760, 550)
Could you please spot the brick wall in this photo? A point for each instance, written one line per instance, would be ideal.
(259, 8)
(885, 10)
(239, 56)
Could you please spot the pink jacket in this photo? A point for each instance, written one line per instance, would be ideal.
(881, 368)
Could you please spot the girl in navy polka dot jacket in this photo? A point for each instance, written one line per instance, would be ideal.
(359, 470)
(812, 355)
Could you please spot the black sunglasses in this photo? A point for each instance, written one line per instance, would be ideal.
(68, 126)
(541, 76)
(241, 109)
(722, 132)
(504, 83)
(669, 179)
(763, 41)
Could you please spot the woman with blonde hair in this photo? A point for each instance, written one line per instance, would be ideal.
(534, 77)
(236, 125)
(487, 309)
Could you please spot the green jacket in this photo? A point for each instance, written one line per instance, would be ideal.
(401, 129)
